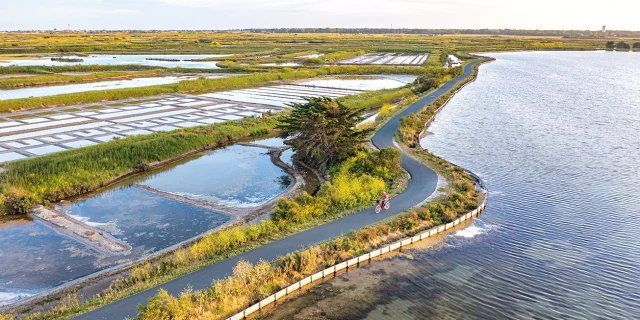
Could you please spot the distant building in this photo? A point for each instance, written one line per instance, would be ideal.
(604, 28)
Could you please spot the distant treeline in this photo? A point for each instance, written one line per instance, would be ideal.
(510, 32)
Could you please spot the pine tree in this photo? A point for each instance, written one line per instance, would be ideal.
(322, 132)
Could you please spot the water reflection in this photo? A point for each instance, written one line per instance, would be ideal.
(238, 176)
(35, 257)
(554, 135)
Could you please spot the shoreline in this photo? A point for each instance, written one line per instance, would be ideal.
(378, 217)
(59, 222)
(355, 262)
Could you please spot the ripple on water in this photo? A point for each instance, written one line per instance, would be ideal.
(555, 136)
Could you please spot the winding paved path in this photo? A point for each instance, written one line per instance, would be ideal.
(423, 183)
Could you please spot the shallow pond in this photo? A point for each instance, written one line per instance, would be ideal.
(93, 86)
(102, 59)
(237, 176)
(234, 176)
(363, 83)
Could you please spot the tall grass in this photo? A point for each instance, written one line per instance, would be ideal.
(357, 181)
(75, 68)
(251, 283)
(375, 98)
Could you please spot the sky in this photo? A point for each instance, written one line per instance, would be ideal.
(241, 14)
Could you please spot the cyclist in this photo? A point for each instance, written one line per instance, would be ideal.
(384, 198)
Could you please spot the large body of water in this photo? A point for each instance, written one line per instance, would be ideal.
(556, 138)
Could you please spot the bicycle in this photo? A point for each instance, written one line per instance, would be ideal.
(379, 207)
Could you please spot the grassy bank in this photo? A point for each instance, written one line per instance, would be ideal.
(76, 68)
(349, 191)
(60, 175)
(375, 98)
(412, 125)
(250, 283)
(350, 188)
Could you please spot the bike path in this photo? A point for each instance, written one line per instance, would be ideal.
(422, 184)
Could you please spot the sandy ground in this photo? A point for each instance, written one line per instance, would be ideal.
(16, 75)
(82, 232)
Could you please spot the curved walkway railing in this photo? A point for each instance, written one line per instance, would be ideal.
(355, 262)
(423, 184)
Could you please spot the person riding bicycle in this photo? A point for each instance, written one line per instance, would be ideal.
(384, 198)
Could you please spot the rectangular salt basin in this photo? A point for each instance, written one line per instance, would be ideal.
(230, 110)
(136, 132)
(24, 143)
(195, 103)
(79, 144)
(248, 113)
(156, 115)
(109, 110)
(9, 124)
(166, 120)
(210, 120)
(276, 96)
(40, 151)
(61, 116)
(107, 137)
(89, 133)
(208, 114)
(11, 156)
(86, 114)
(189, 117)
(303, 86)
(130, 108)
(230, 117)
(249, 100)
(133, 112)
(238, 95)
(117, 128)
(163, 128)
(34, 120)
(142, 124)
(49, 123)
(218, 106)
(53, 131)
(188, 124)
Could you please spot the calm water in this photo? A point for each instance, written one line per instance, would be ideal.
(236, 175)
(363, 83)
(556, 137)
(108, 59)
(93, 86)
